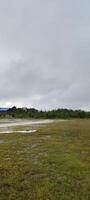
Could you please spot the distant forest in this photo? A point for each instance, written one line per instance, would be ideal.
(51, 114)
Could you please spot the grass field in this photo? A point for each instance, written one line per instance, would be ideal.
(50, 164)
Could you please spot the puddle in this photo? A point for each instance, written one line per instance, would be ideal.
(9, 126)
(12, 131)
(12, 123)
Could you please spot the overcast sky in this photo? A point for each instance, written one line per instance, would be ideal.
(45, 53)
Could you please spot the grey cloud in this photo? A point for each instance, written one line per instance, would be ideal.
(44, 53)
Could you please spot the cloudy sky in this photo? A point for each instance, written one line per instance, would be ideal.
(45, 53)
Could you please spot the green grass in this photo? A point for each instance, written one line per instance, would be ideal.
(51, 164)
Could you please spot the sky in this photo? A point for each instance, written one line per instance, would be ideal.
(45, 54)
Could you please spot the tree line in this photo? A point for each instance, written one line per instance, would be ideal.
(51, 114)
